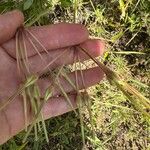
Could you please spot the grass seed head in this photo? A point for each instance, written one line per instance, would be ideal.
(48, 94)
(31, 80)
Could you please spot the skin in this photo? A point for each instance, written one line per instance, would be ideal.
(55, 38)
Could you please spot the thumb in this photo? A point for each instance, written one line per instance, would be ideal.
(9, 22)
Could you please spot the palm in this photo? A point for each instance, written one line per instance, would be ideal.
(12, 116)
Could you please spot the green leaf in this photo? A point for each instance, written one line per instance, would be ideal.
(65, 3)
(22, 146)
(122, 8)
(117, 36)
(27, 4)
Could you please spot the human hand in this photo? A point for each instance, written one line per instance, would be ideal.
(55, 39)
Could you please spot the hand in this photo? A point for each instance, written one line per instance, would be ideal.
(55, 39)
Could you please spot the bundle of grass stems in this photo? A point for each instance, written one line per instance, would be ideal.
(31, 93)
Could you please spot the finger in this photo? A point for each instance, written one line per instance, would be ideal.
(51, 37)
(95, 47)
(9, 23)
(58, 106)
(91, 77)
(53, 107)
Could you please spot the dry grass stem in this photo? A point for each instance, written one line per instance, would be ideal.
(123, 86)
